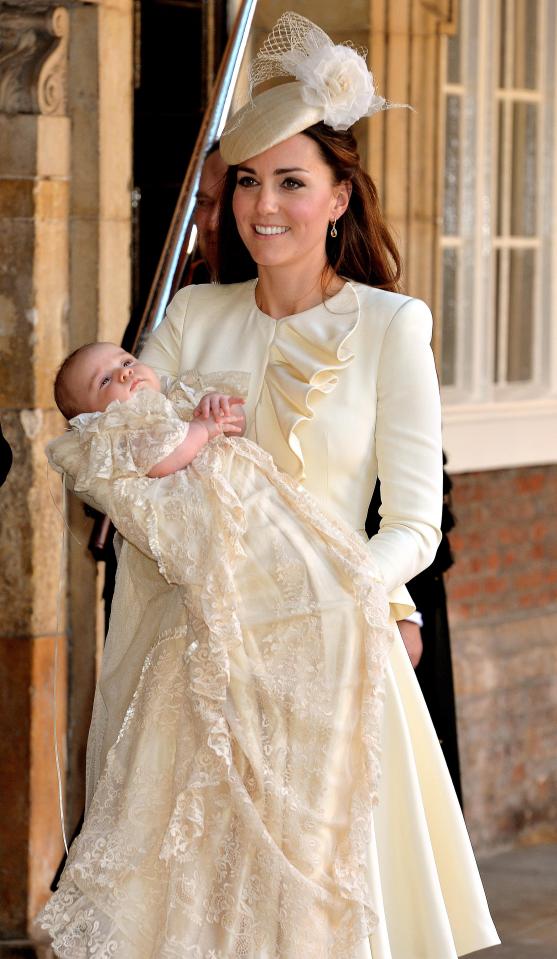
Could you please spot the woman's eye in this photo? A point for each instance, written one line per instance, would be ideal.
(245, 181)
(291, 183)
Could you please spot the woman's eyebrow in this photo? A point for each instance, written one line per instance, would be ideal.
(280, 171)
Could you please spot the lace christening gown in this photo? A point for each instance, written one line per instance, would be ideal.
(233, 817)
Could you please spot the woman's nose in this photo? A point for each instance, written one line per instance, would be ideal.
(267, 200)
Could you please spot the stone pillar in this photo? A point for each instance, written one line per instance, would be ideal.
(403, 145)
(65, 180)
(100, 106)
(34, 198)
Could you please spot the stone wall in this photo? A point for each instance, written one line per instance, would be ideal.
(65, 160)
(34, 187)
(503, 612)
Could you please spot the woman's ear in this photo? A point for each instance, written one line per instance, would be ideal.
(343, 192)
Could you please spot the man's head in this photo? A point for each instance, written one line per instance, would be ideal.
(207, 207)
(96, 374)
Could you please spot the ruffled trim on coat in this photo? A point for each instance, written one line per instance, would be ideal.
(307, 356)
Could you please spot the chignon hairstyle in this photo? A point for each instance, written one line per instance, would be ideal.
(364, 249)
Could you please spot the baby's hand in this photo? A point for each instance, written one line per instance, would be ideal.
(216, 405)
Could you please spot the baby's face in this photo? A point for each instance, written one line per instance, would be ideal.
(104, 373)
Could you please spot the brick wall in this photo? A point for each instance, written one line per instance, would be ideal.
(505, 542)
(503, 613)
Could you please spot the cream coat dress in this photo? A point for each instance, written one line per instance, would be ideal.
(340, 394)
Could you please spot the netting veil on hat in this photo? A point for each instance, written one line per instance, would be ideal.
(330, 82)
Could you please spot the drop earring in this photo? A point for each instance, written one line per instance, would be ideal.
(334, 231)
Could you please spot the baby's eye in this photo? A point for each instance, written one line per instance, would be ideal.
(291, 183)
(104, 381)
(246, 181)
(128, 362)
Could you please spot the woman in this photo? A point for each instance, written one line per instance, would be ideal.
(343, 388)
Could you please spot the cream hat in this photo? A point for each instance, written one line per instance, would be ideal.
(274, 116)
(324, 82)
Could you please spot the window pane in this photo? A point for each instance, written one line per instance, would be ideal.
(524, 169)
(453, 52)
(448, 313)
(498, 374)
(452, 166)
(502, 164)
(525, 43)
(521, 315)
(518, 43)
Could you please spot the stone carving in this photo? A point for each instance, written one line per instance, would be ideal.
(33, 55)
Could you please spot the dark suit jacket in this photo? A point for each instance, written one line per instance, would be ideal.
(5, 457)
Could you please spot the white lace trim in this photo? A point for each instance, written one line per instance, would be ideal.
(219, 826)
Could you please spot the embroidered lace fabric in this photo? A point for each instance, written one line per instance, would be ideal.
(233, 816)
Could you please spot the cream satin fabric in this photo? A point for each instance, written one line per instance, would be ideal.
(335, 391)
(338, 395)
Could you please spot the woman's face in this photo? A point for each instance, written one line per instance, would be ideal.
(284, 201)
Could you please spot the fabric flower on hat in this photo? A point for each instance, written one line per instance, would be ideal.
(335, 77)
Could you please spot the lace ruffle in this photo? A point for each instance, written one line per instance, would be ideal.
(127, 439)
(219, 805)
(308, 353)
(191, 386)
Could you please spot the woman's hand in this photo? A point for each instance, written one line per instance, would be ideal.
(228, 423)
(412, 639)
(216, 405)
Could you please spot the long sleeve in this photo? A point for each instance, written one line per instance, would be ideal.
(408, 448)
(164, 346)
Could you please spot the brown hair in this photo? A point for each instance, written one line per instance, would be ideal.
(364, 249)
(62, 396)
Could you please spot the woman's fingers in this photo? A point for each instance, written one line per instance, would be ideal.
(204, 407)
(218, 405)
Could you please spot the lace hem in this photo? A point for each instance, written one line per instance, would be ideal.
(220, 804)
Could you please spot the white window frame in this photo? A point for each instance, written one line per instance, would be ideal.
(491, 425)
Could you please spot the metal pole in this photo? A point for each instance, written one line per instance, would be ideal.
(211, 127)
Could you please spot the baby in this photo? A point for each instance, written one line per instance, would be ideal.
(97, 374)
